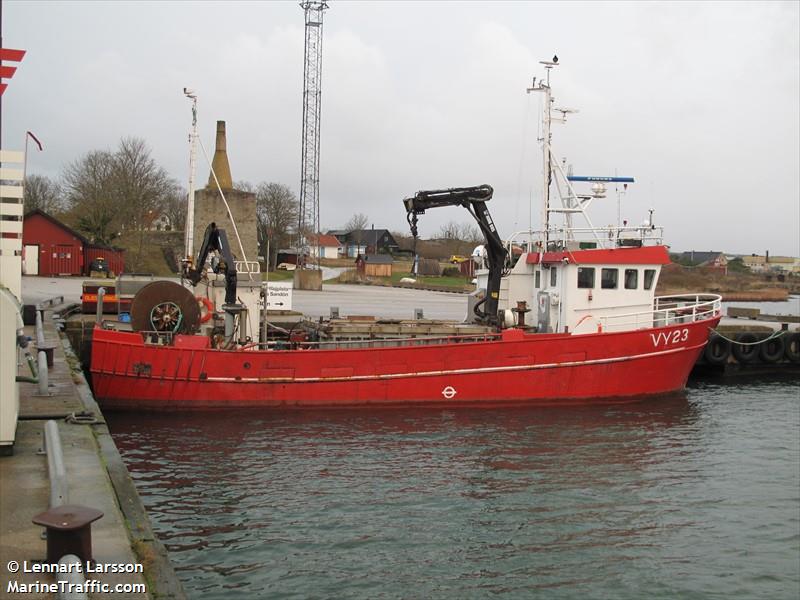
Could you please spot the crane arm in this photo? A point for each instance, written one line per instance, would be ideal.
(474, 200)
(215, 240)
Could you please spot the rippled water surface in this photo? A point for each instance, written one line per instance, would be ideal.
(693, 496)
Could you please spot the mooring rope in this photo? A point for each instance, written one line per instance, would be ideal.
(772, 336)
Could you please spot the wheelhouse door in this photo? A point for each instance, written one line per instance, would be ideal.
(543, 312)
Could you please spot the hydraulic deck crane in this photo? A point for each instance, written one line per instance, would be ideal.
(215, 240)
(474, 199)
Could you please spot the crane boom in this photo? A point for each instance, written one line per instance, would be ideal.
(474, 199)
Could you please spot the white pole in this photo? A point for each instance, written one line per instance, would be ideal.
(264, 324)
(546, 166)
(25, 166)
(192, 156)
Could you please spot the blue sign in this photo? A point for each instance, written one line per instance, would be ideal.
(604, 179)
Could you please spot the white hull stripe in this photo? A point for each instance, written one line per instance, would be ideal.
(578, 363)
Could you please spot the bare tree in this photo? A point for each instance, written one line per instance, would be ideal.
(462, 232)
(450, 231)
(140, 187)
(356, 225)
(244, 186)
(357, 222)
(43, 193)
(89, 197)
(108, 193)
(471, 234)
(174, 207)
(276, 210)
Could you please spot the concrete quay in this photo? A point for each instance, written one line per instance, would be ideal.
(97, 478)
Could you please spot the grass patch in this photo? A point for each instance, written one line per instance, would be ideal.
(676, 278)
(278, 276)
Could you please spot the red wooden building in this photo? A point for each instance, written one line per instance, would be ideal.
(49, 247)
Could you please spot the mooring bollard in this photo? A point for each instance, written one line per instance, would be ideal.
(69, 531)
(43, 383)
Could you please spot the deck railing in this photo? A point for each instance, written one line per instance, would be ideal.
(252, 267)
(667, 310)
(562, 238)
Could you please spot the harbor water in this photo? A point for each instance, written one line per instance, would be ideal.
(696, 495)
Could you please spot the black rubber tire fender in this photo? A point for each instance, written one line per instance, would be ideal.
(717, 350)
(771, 351)
(791, 347)
(745, 354)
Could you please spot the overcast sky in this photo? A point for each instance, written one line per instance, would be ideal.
(700, 102)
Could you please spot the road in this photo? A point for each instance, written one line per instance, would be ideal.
(384, 302)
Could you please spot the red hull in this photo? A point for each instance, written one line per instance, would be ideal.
(515, 369)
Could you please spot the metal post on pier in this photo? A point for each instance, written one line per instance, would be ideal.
(42, 379)
(39, 326)
(101, 292)
(59, 487)
(72, 578)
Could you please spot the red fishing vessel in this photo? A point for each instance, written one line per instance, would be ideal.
(598, 332)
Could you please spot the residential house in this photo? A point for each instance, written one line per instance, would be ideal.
(755, 263)
(329, 246)
(715, 261)
(784, 264)
(365, 241)
(766, 263)
(159, 222)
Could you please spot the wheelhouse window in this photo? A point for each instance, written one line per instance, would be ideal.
(585, 277)
(649, 278)
(631, 279)
(609, 279)
(553, 276)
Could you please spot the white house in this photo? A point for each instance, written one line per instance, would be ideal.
(329, 246)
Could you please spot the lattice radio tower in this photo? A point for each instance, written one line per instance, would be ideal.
(308, 222)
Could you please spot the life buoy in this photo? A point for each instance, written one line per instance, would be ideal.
(717, 350)
(743, 352)
(771, 351)
(205, 303)
(791, 347)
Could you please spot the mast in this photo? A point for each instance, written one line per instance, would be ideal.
(547, 167)
(189, 239)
